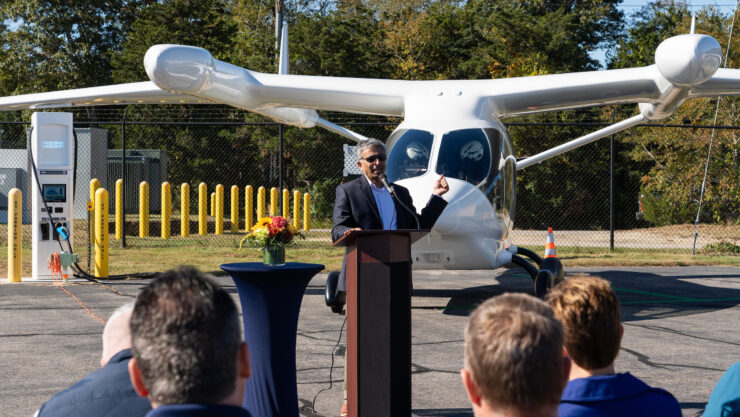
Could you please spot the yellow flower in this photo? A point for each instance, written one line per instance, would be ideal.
(264, 222)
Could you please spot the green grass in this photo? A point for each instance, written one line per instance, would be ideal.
(208, 258)
(153, 254)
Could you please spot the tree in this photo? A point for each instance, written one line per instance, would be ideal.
(206, 24)
(55, 44)
(672, 187)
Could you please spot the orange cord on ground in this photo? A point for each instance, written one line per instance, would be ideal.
(56, 276)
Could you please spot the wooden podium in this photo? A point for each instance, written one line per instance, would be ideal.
(378, 273)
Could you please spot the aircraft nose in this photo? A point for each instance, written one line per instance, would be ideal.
(177, 68)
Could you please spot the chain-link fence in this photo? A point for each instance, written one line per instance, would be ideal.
(579, 194)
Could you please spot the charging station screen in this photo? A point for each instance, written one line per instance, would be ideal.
(55, 193)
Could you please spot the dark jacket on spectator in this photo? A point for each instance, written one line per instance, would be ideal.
(107, 392)
(198, 410)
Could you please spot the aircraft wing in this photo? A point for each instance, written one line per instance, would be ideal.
(726, 82)
(686, 66)
(138, 93)
(541, 93)
(191, 70)
(132, 93)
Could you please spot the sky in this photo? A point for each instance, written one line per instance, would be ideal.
(631, 6)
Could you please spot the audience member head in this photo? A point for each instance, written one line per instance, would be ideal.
(514, 363)
(589, 311)
(187, 343)
(117, 333)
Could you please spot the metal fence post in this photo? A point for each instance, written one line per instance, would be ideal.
(612, 154)
(123, 174)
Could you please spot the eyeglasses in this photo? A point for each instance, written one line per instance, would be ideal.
(371, 159)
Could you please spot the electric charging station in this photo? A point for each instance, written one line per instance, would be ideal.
(53, 154)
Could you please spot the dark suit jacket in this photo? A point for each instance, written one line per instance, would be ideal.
(355, 206)
(198, 410)
(106, 392)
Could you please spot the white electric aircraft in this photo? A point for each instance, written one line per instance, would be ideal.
(449, 127)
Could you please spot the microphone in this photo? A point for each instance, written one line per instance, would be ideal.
(388, 187)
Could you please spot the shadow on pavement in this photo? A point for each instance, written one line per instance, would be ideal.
(642, 295)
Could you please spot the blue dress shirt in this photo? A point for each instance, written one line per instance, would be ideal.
(386, 206)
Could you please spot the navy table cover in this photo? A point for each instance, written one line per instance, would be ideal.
(271, 297)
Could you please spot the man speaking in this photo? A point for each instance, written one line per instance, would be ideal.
(366, 203)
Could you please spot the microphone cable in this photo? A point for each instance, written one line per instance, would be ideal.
(390, 189)
(331, 367)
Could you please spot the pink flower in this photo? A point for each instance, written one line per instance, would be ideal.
(279, 222)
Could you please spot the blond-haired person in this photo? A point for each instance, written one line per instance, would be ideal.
(514, 362)
(589, 311)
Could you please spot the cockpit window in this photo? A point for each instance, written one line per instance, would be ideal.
(409, 156)
(466, 155)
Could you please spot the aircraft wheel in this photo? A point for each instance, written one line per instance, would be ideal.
(334, 299)
(555, 267)
(543, 283)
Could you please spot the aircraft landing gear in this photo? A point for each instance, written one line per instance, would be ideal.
(550, 274)
(550, 271)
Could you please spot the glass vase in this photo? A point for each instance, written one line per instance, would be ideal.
(274, 255)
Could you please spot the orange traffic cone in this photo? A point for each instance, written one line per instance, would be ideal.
(550, 245)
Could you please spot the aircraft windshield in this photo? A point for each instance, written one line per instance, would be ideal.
(409, 157)
(466, 154)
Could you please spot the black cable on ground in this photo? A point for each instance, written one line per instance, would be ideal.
(331, 368)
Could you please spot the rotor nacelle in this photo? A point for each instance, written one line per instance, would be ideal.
(688, 60)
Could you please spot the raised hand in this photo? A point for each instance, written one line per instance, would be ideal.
(441, 186)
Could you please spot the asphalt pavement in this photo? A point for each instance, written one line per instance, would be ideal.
(681, 333)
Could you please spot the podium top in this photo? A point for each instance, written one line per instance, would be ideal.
(413, 234)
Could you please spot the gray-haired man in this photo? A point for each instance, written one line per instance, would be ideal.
(108, 390)
(189, 355)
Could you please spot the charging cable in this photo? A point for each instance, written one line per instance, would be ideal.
(78, 271)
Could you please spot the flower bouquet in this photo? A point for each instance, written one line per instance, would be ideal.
(271, 234)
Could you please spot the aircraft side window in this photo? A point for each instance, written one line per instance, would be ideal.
(409, 155)
(466, 155)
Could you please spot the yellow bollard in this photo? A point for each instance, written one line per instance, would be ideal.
(202, 209)
(219, 209)
(185, 210)
(248, 207)
(260, 203)
(15, 235)
(213, 204)
(286, 203)
(273, 201)
(234, 208)
(166, 210)
(144, 209)
(119, 209)
(306, 211)
(296, 209)
(101, 229)
(94, 185)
